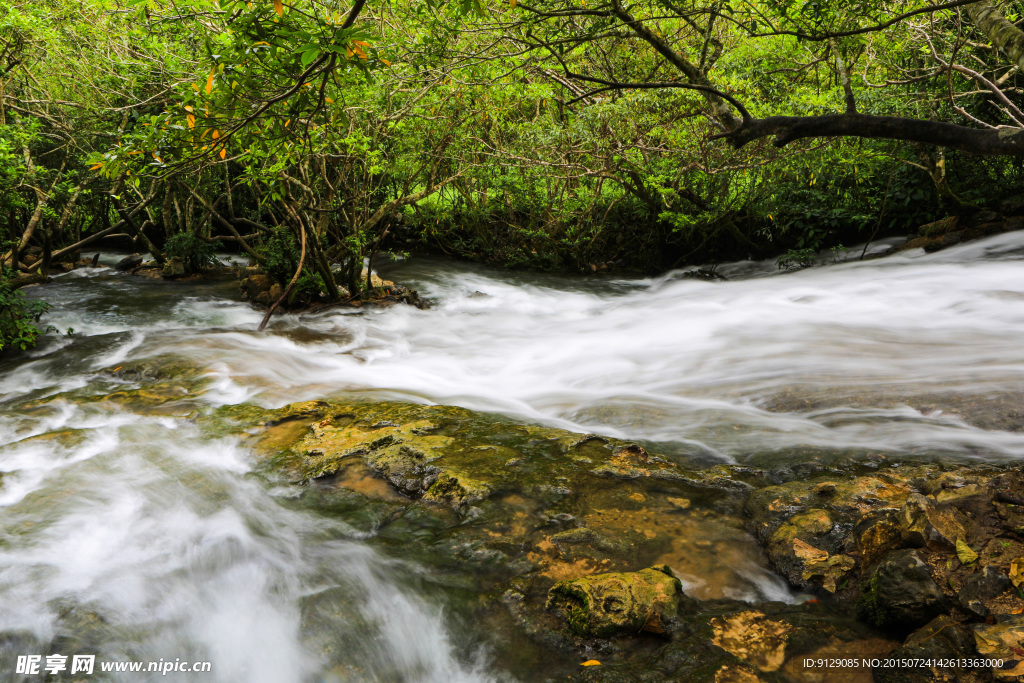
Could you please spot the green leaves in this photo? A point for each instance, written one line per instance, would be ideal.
(18, 318)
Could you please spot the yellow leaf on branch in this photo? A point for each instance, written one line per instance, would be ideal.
(279, 7)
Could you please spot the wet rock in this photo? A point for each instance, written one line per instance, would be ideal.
(938, 228)
(129, 262)
(173, 268)
(795, 550)
(877, 534)
(618, 603)
(941, 638)
(951, 238)
(987, 584)
(806, 526)
(159, 368)
(924, 522)
(846, 501)
(901, 592)
(256, 285)
(1003, 640)
(1017, 572)
(753, 637)
(633, 461)
(375, 280)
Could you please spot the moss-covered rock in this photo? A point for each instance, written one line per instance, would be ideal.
(527, 517)
(604, 605)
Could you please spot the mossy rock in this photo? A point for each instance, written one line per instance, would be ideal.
(617, 603)
(444, 454)
(162, 368)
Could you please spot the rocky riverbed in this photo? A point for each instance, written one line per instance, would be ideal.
(579, 542)
(535, 479)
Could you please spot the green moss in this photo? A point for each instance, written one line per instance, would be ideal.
(872, 608)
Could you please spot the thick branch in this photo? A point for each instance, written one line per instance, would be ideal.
(1004, 35)
(121, 224)
(786, 129)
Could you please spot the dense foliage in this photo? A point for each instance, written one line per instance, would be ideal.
(567, 134)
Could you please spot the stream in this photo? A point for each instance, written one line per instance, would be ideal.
(129, 534)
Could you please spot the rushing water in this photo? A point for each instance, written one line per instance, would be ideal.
(129, 534)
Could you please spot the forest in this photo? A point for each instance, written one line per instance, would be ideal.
(560, 136)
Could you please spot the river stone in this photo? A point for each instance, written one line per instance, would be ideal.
(901, 593)
(625, 603)
(926, 522)
(173, 268)
(1003, 640)
(795, 550)
(981, 587)
(938, 228)
(129, 262)
(256, 284)
(940, 638)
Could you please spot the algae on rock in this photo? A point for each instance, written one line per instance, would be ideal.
(616, 603)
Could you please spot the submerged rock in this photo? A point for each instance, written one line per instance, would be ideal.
(1003, 641)
(753, 637)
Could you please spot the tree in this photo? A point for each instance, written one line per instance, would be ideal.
(835, 30)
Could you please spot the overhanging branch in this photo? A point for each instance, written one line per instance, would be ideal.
(1003, 141)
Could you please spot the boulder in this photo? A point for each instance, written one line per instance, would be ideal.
(795, 550)
(256, 284)
(901, 592)
(617, 603)
(173, 268)
(129, 262)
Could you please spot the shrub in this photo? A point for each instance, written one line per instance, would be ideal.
(18, 318)
(194, 253)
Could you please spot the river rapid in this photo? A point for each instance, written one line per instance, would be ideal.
(130, 535)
